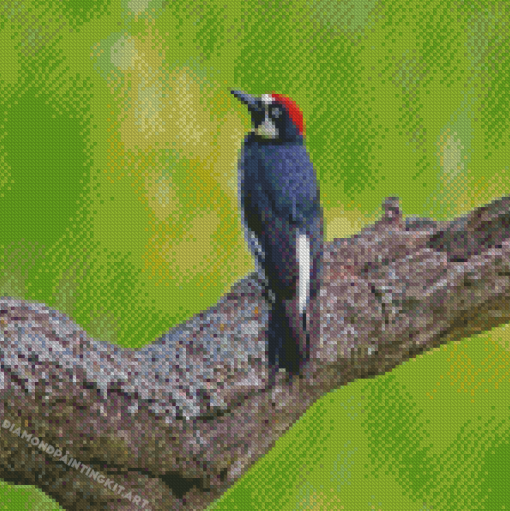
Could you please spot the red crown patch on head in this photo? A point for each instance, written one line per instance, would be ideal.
(294, 111)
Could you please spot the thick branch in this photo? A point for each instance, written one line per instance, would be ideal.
(180, 420)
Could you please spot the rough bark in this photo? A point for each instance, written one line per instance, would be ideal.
(179, 421)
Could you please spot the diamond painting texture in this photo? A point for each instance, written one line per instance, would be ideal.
(119, 151)
(281, 212)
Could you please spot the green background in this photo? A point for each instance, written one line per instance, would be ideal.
(119, 143)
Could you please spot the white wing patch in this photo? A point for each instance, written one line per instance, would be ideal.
(303, 257)
(255, 244)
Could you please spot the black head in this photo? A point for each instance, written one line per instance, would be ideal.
(274, 117)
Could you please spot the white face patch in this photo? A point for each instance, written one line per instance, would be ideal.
(267, 129)
(303, 258)
(267, 99)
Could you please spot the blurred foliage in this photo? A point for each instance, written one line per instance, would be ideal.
(119, 139)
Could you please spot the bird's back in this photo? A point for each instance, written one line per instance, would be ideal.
(280, 177)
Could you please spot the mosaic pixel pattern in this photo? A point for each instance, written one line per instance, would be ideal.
(119, 149)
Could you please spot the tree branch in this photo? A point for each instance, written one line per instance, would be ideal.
(179, 421)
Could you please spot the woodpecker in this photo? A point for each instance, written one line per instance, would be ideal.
(283, 220)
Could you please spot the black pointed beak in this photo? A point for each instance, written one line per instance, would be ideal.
(251, 101)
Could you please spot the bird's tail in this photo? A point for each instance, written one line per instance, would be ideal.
(287, 338)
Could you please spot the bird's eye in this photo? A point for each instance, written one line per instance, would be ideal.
(276, 112)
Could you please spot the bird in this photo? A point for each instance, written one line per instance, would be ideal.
(283, 221)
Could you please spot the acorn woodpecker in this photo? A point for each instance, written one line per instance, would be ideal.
(281, 212)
